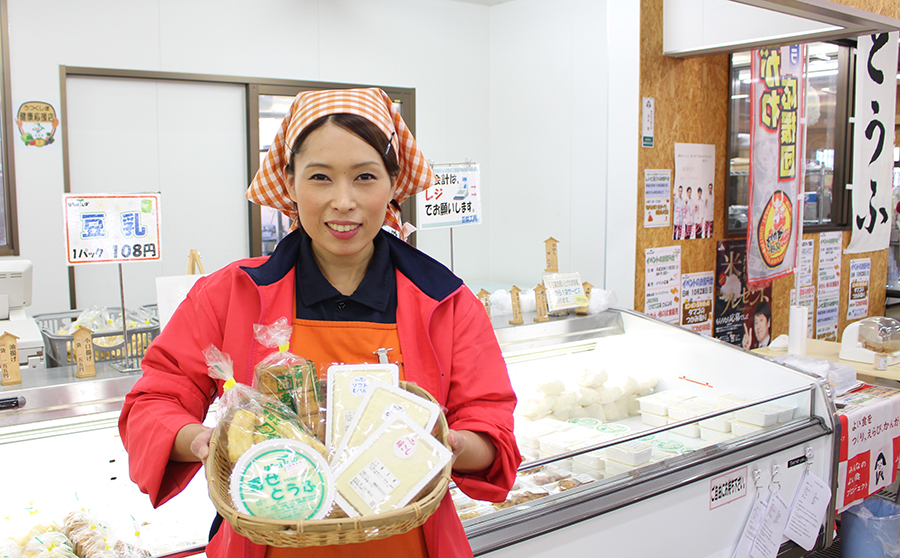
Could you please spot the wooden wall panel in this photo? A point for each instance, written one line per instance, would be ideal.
(691, 97)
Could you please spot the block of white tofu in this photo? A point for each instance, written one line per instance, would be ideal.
(657, 403)
(653, 419)
(528, 432)
(739, 428)
(631, 453)
(382, 400)
(346, 386)
(721, 423)
(759, 415)
(389, 469)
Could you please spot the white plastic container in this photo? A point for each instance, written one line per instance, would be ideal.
(631, 453)
(785, 410)
(689, 430)
(712, 435)
(720, 423)
(759, 415)
(614, 468)
(689, 409)
(581, 469)
(652, 419)
(739, 428)
(656, 403)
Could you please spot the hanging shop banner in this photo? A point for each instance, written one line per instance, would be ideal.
(111, 228)
(38, 122)
(858, 305)
(776, 161)
(697, 301)
(828, 292)
(695, 171)
(662, 285)
(728, 315)
(873, 140)
(657, 184)
(453, 200)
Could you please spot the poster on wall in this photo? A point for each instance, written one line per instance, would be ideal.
(111, 228)
(697, 301)
(757, 318)
(662, 284)
(453, 200)
(828, 292)
(693, 191)
(858, 301)
(776, 161)
(805, 263)
(657, 184)
(873, 140)
(38, 123)
(736, 308)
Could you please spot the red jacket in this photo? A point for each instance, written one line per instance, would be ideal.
(448, 346)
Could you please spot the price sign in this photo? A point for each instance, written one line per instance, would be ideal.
(453, 200)
(111, 228)
(9, 360)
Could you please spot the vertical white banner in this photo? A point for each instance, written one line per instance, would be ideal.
(873, 140)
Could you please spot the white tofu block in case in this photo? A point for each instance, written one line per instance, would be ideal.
(652, 419)
(759, 415)
(528, 432)
(689, 430)
(689, 409)
(632, 453)
(668, 446)
(614, 468)
(721, 423)
(739, 428)
(580, 469)
(658, 402)
(713, 435)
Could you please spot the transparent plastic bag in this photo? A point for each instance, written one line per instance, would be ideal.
(247, 416)
(346, 385)
(290, 378)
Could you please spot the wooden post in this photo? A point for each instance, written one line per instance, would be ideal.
(516, 305)
(583, 310)
(83, 351)
(194, 263)
(551, 254)
(9, 360)
(540, 298)
(485, 297)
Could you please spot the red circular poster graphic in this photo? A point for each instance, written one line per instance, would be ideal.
(774, 229)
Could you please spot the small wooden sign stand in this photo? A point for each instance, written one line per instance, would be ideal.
(583, 310)
(485, 297)
(516, 305)
(194, 263)
(540, 298)
(83, 350)
(9, 360)
(552, 255)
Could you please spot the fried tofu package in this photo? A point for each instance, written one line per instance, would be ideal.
(290, 378)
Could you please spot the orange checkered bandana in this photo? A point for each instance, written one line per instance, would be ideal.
(271, 185)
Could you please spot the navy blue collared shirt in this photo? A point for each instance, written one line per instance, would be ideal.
(375, 299)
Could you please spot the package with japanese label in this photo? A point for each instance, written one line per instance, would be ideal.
(282, 479)
(381, 401)
(247, 417)
(290, 378)
(347, 384)
(393, 465)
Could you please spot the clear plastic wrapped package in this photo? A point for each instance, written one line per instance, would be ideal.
(346, 387)
(381, 401)
(395, 464)
(290, 378)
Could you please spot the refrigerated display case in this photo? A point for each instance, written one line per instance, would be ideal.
(690, 501)
(691, 497)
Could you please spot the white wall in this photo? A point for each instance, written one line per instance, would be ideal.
(521, 88)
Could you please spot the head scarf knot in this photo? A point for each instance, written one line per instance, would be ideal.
(271, 184)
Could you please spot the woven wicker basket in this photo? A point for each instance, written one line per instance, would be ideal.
(325, 532)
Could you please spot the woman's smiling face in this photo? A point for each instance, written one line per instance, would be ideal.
(342, 190)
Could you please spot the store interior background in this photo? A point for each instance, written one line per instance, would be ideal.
(543, 94)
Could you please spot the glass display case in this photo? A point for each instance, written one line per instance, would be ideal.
(621, 419)
(688, 430)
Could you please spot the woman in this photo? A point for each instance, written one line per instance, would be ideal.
(340, 166)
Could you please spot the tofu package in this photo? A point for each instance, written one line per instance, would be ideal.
(346, 385)
(382, 401)
(394, 464)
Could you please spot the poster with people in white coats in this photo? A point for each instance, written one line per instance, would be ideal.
(693, 199)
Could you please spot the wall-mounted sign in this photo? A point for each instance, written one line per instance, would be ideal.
(453, 200)
(37, 122)
(111, 228)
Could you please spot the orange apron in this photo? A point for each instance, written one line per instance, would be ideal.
(327, 343)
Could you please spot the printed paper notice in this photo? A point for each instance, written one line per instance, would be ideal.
(805, 262)
(111, 228)
(662, 285)
(829, 285)
(858, 306)
(810, 505)
(697, 301)
(657, 200)
(807, 299)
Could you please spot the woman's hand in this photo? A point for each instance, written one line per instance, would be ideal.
(472, 451)
(192, 443)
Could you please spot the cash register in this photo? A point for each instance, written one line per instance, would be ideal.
(15, 296)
